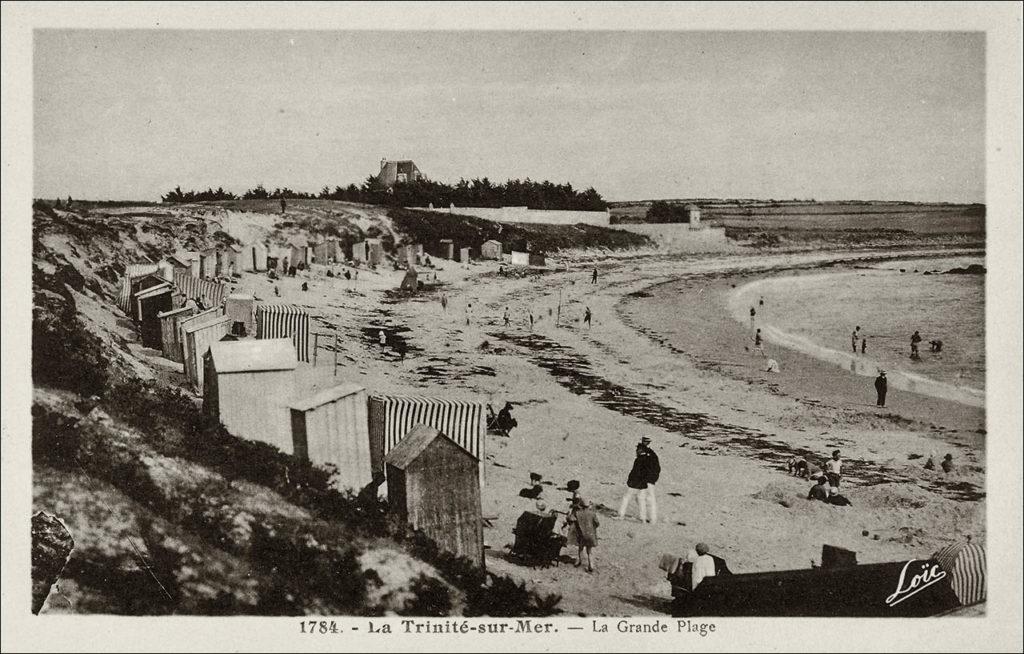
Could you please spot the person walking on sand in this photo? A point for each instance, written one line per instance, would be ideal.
(283, 205)
(587, 316)
(593, 280)
(582, 520)
(757, 339)
(753, 316)
(382, 338)
(863, 344)
(853, 339)
(444, 302)
(531, 321)
(641, 480)
(469, 313)
(881, 388)
(914, 340)
(506, 318)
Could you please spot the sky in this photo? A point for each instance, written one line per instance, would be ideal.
(130, 114)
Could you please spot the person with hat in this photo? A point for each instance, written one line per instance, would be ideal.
(703, 564)
(641, 480)
(505, 421)
(881, 387)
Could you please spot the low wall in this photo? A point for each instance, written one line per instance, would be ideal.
(524, 215)
(679, 237)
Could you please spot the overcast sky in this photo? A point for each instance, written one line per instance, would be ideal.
(636, 115)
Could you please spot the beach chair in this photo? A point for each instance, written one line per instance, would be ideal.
(536, 543)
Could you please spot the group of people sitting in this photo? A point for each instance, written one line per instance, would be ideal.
(826, 476)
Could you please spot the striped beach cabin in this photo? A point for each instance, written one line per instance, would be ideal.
(284, 321)
(393, 416)
(964, 563)
(211, 293)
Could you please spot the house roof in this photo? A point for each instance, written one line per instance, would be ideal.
(153, 291)
(172, 312)
(242, 296)
(254, 355)
(492, 241)
(203, 324)
(413, 445)
(175, 260)
(326, 396)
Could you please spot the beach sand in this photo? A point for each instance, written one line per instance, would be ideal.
(722, 429)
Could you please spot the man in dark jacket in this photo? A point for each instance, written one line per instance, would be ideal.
(641, 481)
(881, 387)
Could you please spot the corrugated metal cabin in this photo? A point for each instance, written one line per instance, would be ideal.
(491, 250)
(249, 387)
(241, 308)
(433, 487)
(170, 340)
(198, 338)
(150, 303)
(331, 427)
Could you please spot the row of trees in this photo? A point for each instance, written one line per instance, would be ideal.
(420, 193)
(665, 212)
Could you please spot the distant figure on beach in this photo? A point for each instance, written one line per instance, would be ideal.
(444, 302)
(348, 275)
(641, 480)
(935, 346)
(760, 303)
(753, 315)
(587, 316)
(199, 303)
(881, 387)
(593, 279)
(834, 469)
(757, 338)
(819, 491)
(277, 291)
(382, 338)
(914, 340)
(947, 464)
(469, 313)
(283, 205)
(773, 366)
(506, 318)
(531, 321)
(356, 275)
(305, 286)
(864, 345)
(505, 421)
(853, 339)
(582, 521)
(930, 463)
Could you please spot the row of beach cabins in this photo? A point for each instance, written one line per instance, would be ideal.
(246, 359)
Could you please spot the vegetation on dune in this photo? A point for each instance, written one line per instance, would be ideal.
(468, 231)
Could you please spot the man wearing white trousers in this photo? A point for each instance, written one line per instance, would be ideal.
(641, 481)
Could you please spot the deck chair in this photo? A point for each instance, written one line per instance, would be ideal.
(536, 543)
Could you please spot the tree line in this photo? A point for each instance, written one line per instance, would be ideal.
(480, 192)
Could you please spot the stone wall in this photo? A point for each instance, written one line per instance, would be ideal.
(524, 215)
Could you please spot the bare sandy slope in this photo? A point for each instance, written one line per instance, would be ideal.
(584, 397)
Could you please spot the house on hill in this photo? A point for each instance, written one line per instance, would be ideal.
(398, 172)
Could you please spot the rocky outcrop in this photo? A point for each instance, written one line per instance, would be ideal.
(51, 549)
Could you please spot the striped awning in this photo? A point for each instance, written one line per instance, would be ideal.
(284, 321)
(964, 563)
(393, 416)
(211, 293)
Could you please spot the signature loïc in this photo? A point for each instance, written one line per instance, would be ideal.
(930, 573)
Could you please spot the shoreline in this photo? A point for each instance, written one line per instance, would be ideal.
(740, 297)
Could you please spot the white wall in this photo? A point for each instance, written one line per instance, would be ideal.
(679, 237)
(524, 215)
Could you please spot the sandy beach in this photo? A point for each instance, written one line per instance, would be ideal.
(722, 428)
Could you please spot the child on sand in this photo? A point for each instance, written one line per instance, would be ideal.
(582, 519)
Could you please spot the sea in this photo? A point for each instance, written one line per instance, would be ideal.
(816, 313)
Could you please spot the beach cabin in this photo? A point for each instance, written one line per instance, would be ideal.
(198, 337)
(331, 427)
(208, 263)
(192, 259)
(374, 252)
(359, 251)
(149, 304)
(284, 321)
(537, 259)
(447, 248)
(241, 308)
(209, 292)
(491, 250)
(692, 214)
(392, 416)
(233, 259)
(299, 254)
(330, 251)
(255, 257)
(520, 258)
(170, 341)
(196, 317)
(249, 387)
(132, 285)
(464, 255)
(434, 488)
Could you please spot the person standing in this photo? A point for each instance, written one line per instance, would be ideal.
(506, 318)
(853, 339)
(587, 316)
(593, 279)
(834, 469)
(863, 344)
(283, 205)
(641, 480)
(881, 387)
(469, 313)
(531, 321)
(444, 302)
(753, 316)
(914, 340)
(583, 522)
(757, 339)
